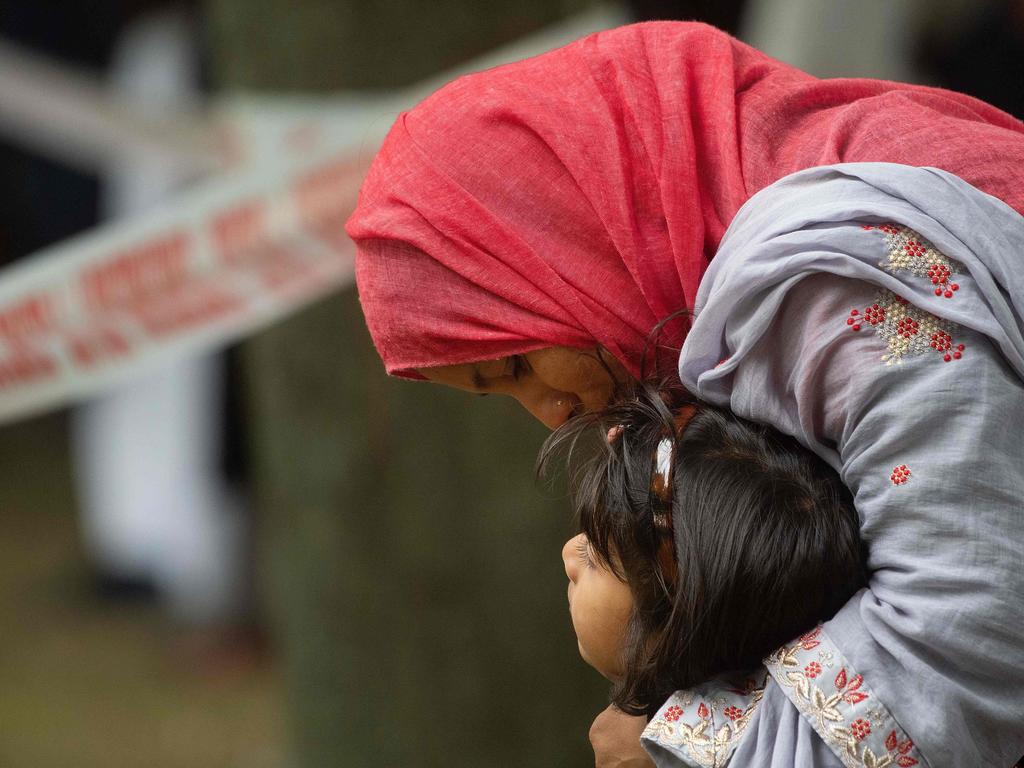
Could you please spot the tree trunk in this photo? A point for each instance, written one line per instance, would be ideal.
(409, 560)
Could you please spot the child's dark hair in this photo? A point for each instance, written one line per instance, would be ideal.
(764, 533)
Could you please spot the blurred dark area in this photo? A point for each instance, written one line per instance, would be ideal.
(44, 201)
(983, 56)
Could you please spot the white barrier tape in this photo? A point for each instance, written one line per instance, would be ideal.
(226, 261)
(255, 127)
(78, 120)
(218, 263)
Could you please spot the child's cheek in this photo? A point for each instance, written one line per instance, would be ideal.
(600, 638)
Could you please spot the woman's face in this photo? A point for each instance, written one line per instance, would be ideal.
(553, 384)
(600, 606)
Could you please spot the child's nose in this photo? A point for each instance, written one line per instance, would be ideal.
(569, 558)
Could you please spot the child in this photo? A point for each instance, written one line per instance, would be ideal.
(707, 542)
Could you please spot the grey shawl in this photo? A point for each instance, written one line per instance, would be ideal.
(876, 312)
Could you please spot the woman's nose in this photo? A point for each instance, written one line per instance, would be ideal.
(549, 406)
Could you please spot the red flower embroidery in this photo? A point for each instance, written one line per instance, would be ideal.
(913, 248)
(900, 474)
(889, 229)
(874, 314)
(848, 688)
(860, 728)
(911, 252)
(695, 732)
(812, 670)
(906, 329)
(673, 713)
(939, 274)
(941, 341)
(810, 640)
(853, 321)
(898, 750)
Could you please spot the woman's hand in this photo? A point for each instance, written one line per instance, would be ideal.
(615, 737)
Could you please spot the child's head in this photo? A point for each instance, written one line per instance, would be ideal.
(706, 542)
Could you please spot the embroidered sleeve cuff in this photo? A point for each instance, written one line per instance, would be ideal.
(840, 705)
(701, 727)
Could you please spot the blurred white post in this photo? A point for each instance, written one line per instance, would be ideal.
(155, 504)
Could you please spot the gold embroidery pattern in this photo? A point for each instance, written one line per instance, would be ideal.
(861, 736)
(695, 736)
(910, 252)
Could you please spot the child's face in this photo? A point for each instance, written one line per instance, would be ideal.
(600, 606)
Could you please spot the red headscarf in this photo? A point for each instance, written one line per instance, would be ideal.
(576, 197)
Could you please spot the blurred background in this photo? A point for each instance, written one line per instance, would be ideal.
(275, 556)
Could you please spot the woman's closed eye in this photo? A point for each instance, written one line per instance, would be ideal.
(516, 366)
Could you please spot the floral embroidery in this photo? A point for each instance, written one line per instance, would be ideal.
(673, 713)
(898, 750)
(906, 329)
(841, 709)
(810, 641)
(900, 474)
(860, 728)
(703, 739)
(911, 252)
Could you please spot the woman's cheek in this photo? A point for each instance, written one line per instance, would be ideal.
(596, 398)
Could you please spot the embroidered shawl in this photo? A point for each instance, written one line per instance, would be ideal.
(876, 312)
(578, 196)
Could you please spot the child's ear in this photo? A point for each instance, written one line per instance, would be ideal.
(614, 433)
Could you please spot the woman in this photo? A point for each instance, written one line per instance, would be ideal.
(524, 229)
